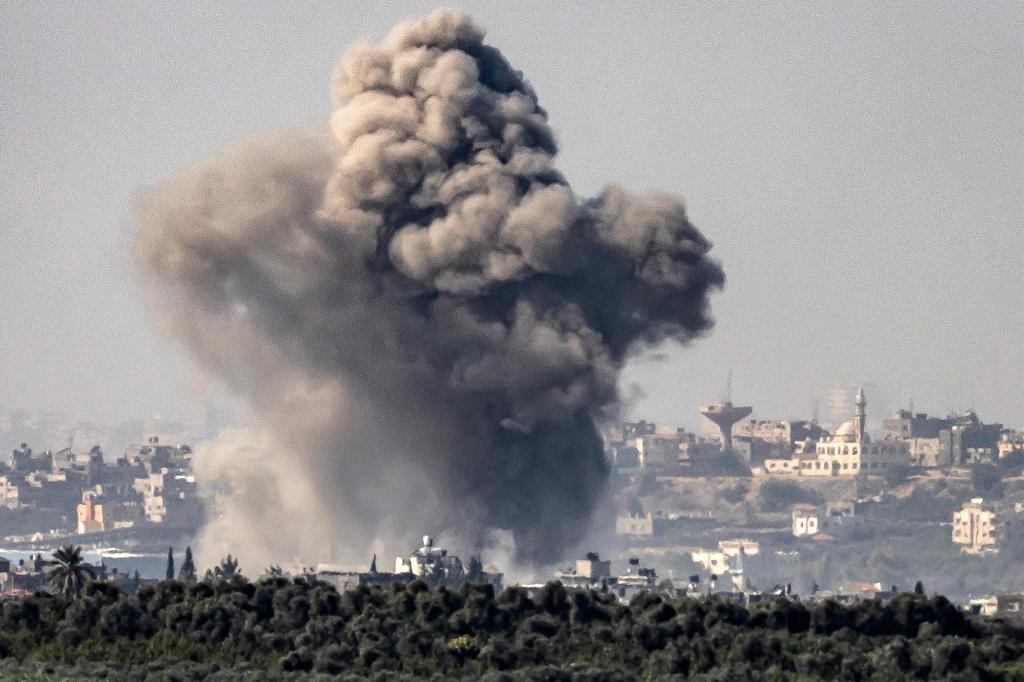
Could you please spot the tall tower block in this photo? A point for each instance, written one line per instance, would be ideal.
(724, 414)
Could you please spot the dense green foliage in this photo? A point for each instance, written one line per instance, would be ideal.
(779, 496)
(279, 627)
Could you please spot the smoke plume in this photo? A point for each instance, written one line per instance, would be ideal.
(425, 319)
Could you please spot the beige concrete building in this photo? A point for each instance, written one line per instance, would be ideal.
(719, 560)
(848, 452)
(925, 452)
(711, 560)
(96, 515)
(979, 529)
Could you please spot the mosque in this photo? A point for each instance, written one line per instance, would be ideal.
(848, 452)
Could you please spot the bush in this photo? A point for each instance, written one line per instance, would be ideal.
(896, 474)
(779, 496)
(986, 479)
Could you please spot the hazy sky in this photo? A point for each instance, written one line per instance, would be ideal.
(858, 166)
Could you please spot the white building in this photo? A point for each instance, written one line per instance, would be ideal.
(848, 452)
(430, 561)
(718, 561)
(806, 520)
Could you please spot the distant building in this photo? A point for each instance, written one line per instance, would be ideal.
(1007, 604)
(637, 579)
(9, 493)
(591, 571)
(924, 451)
(807, 520)
(968, 440)
(979, 529)
(169, 497)
(96, 514)
(713, 561)
(661, 451)
(638, 429)
(646, 524)
(23, 461)
(849, 452)
(25, 577)
(733, 548)
(1010, 442)
(640, 525)
(757, 440)
(592, 567)
(907, 424)
(870, 590)
(718, 561)
(430, 561)
(437, 567)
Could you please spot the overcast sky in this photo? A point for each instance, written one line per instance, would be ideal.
(858, 166)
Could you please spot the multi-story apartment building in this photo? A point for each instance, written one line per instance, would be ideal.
(979, 529)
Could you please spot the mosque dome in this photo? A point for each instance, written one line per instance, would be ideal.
(846, 432)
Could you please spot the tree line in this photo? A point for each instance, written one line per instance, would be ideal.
(278, 626)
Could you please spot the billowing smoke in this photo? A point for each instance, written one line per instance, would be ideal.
(426, 320)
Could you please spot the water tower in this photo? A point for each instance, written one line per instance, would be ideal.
(724, 414)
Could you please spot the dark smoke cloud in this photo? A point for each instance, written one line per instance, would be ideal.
(423, 315)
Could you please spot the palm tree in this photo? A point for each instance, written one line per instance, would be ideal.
(68, 572)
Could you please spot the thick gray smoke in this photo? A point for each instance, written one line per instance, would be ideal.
(424, 317)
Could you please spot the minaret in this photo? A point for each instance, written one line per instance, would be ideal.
(860, 419)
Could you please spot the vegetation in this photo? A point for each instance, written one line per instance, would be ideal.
(227, 569)
(778, 496)
(187, 573)
(67, 572)
(987, 479)
(280, 627)
(896, 474)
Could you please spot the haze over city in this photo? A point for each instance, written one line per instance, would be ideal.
(609, 341)
(857, 168)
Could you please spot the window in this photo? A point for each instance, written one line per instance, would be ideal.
(845, 465)
(846, 451)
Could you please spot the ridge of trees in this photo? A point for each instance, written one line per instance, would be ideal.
(280, 627)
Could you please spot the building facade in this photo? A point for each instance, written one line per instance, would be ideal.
(979, 529)
(806, 520)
